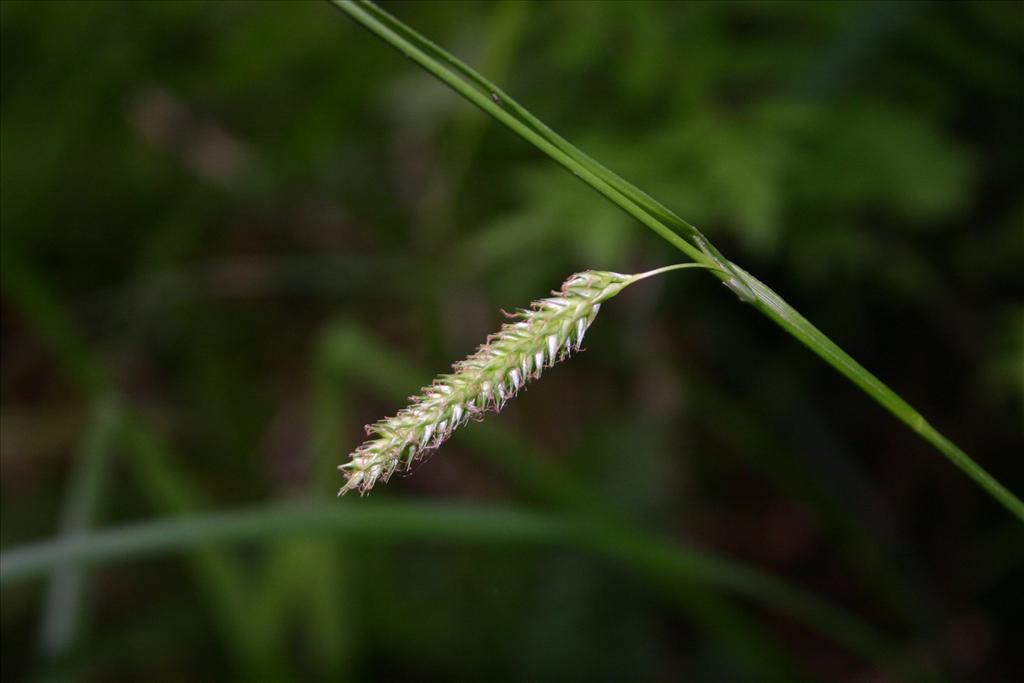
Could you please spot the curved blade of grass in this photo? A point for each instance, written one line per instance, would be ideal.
(488, 97)
(418, 521)
(433, 522)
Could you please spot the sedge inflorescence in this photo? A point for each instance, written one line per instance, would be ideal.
(537, 338)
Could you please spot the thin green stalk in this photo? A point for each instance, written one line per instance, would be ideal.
(674, 266)
(662, 221)
(66, 598)
(773, 306)
(371, 17)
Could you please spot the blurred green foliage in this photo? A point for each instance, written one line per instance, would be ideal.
(232, 233)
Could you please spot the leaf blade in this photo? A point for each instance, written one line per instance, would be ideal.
(477, 89)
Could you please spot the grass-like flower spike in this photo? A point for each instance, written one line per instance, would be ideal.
(540, 336)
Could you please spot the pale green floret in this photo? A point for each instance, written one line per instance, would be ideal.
(549, 331)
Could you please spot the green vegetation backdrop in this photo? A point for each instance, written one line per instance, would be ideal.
(233, 233)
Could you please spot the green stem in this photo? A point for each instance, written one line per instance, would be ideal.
(662, 221)
(675, 266)
(775, 308)
(486, 103)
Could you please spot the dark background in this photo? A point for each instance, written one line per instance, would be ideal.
(234, 233)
